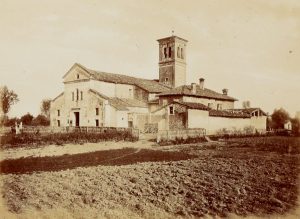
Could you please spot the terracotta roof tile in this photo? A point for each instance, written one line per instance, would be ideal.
(228, 113)
(189, 105)
(151, 86)
(186, 90)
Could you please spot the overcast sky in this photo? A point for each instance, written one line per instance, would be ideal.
(250, 47)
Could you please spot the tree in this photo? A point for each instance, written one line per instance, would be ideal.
(11, 121)
(7, 98)
(246, 104)
(279, 118)
(45, 107)
(27, 119)
(40, 120)
(295, 126)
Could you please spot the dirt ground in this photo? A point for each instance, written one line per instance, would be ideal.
(255, 177)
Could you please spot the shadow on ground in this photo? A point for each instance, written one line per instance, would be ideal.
(107, 158)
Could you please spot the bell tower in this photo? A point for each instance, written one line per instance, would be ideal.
(172, 61)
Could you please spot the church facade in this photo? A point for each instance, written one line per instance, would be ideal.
(95, 98)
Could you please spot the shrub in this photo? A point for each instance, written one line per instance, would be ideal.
(13, 140)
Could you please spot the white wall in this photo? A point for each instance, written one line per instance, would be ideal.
(124, 91)
(201, 119)
(217, 123)
(108, 89)
(197, 118)
(122, 119)
(259, 122)
(55, 105)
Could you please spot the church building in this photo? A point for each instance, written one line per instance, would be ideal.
(96, 98)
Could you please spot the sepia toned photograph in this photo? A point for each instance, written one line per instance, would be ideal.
(149, 109)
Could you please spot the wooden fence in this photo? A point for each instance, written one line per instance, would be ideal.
(167, 135)
(44, 130)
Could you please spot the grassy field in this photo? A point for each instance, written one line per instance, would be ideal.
(243, 177)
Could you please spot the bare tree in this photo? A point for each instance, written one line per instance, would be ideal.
(7, 98)
(45, 107)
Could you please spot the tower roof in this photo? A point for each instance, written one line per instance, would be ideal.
(172, 37)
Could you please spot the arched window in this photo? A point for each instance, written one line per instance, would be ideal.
(182, 53)
(178, 52)
(170, 52)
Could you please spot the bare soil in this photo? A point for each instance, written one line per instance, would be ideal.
(243, 177)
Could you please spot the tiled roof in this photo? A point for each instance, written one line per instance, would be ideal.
(99, 94)
(186, 90)
(228, 113)
(121, 103)
(118, 104)
(249, 110)
(151, 86)
(131, 102)
(189, 105)
(61, 94)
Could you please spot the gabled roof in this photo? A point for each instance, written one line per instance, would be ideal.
(61, 94)
(228, 113)
(151, 86)
(99, 94)
(130, 102)
(186, 90)
(118, 104)
(189, 105)
(121, 103)
(250, 110)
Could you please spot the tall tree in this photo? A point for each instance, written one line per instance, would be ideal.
(45, 107)
(7, 98)
(279, 118)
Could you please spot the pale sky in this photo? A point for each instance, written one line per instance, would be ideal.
(251, 47)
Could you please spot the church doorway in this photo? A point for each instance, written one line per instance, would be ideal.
(76, 119)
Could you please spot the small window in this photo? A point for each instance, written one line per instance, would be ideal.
(219, 106)
(171, 108)
(97, 111)
(130, 92)
(81, 95)
(165, 52)
(166, 79)
(77, 76)
(72, 96)
(58, 112)
(77, 94)
(178, 52)
(97, 122)
(182, 53)
(58, 123)
(210, 105)
(170, 52)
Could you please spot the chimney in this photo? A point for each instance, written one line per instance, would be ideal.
(201, 83)
(225, 91)
(194, 88)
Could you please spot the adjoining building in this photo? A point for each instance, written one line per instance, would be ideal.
(95, 98)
